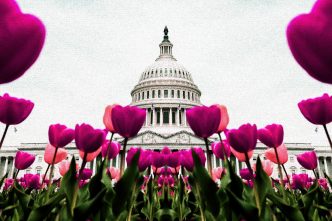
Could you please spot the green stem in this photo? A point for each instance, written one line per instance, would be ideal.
(48, 167)
(15, 174)
(4, 135)
(209, 163)
(108, 150)
(200, 205)
(123, 154)
(283, 167)
(74, 201)
(255, 188)
(316, 175)
(51, 175)
(328, 135)
(132, 203)
(279, 168)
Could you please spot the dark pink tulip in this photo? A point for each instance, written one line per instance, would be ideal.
(203, 120)
(173, 159)
(221, 150)
(131, 153)
(32, 181)
(317, 110)
(309, 39)
(158, 159)
(187, 160)
(8, 183)
(323, 183)
(299, 181)
(59, 135)
(145, 159)
(246, 174)
(128, 120)
(243, 139)
(114, 149)
(21, 40)
(166, 151)
(86, 174)
(308, 160)
(23, 160)
(14, 110)
(272, 135)
(88, 139)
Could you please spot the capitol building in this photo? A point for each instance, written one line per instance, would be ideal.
(166, 89)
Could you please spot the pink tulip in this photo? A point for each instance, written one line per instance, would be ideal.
(203, 120)
(13, 110)
(113, 149)
(22, 38)
(272, 135)
(59, 135)
(317, 110)
(32, 181)
(128, 120)
(282, 154)
(145, 158)
(64, 167)
(217, 173)
(49, 154)
(243, 139)
(114, 173)
(246, 174)
(90, 156)
(88, 139)
(187, 160)
(309, 39)
(23, 160)
(107, 119)
(173, 159)
(267, 167)
(299, 181)
(241, 156)
(86, 174)
(224, 118)
(323, 183)
(308, 160)
(158, 159)
(221, 150)
(8, 183)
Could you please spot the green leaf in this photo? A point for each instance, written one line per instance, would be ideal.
(165, 215)
(247, 209)
(124, 187)
(3, 179)
(85, 209)
(69, 182)
(95, 184)
(207, 187)
(40, 213)
(262, 185)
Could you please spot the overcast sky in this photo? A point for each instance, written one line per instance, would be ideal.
(95, 51)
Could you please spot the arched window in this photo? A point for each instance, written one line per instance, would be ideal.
(148, 95)
(153, 93)
(183, 94)
(172, 93)
(143, 95)
(188, 95)
(178, 93)
(139, 96)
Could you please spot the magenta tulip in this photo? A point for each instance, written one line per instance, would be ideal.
(59, 135)
(8, 183)
(243, 139)
(308, 160)
(317, 110)
(128, 120)
(187, 160)
(86, 174)
(114, 149)
(14, 110)
(158, 159)
(32, 181)
(21, 40)
(221, 149)
(23, 160)
(272, 135)
(309, 39)
(145, 158)
(203, 120)
(299, 181)
(173, 159)
(246, 174)
(88, 139)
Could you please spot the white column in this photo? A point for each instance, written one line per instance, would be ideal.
(184, 117)
(320, 173)
(170, 116)
(154, 116)
(161, 116)
(6, 165)
(146, 116)
(13, 167)
(178, 117)
(325, 165)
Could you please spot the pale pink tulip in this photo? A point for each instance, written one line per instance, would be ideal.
(241, 156)
(49, 154)
(267, 167)
(282, 154)
(90, 156)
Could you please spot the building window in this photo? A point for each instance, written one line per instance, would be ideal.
(28, 171)
(172, 93)
(291, 159)
(139, 96)
(151, 117)
(158, 115)
(159, 93)
(143, 95)
(166, 116)
(153, 93)
(180, 116)
(192, 96)
(165, 93)
(170, 71)
(183, 94)
(38, 171)
(40, 159)
(178, 93)
(188, 95)
(148, 95)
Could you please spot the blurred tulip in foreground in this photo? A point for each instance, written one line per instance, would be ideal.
(221, 150)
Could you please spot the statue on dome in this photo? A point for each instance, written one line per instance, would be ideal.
(166, 31)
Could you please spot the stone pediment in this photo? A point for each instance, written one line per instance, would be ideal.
(155, 140)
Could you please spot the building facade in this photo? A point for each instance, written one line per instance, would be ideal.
(165, 90)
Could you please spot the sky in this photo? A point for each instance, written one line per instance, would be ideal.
(95, 51)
